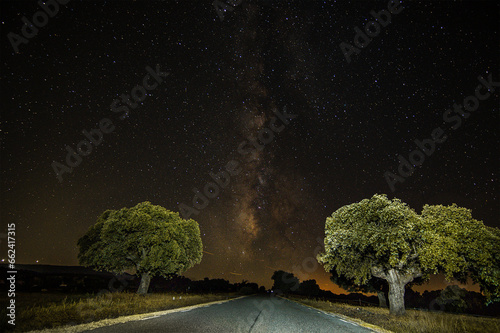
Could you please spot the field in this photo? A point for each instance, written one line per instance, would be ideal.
(413, 322)
(35, 311)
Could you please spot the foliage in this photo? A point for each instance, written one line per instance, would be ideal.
(309, 288)
(148, 238)
(452, 299)
(374, 285)
(246, 290)
(375, 232)
(461, 246)
(285, 282)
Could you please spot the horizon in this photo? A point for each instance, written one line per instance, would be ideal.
(437, 281)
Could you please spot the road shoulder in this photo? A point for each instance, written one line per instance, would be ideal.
(344, 317)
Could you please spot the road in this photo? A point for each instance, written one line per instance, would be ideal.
(260, 313)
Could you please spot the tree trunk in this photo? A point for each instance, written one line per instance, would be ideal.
(144, 285)
(382, 302)
(397, 298)
(397, 282)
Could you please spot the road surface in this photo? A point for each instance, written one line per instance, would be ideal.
(260, 313)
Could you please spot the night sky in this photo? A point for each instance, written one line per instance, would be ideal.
(226, 81)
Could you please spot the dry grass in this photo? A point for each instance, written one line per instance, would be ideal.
(39, 311)
(413, 322)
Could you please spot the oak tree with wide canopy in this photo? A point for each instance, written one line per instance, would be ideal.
(386, 239)
(146, 238)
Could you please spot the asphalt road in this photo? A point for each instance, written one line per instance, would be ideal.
(250, 314)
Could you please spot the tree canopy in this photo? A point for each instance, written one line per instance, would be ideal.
(462, 247)
(284, 282)
(386, 239)
(309, 288)
(148, 238)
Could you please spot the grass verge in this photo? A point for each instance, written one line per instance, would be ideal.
(41, 311)
(413, 322)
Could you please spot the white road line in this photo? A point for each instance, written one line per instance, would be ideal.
(149, 317)
(345, 321)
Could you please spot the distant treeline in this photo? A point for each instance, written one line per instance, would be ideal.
(77, 279)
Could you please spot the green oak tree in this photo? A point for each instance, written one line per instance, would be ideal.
(386, 239)
(146, 238)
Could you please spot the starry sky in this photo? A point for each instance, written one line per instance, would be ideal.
(221, 85)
